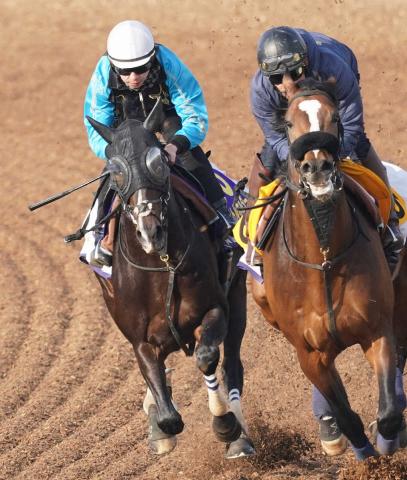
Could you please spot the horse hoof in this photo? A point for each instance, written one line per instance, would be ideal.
(167, 426)
(242, 447)
(386, 447)
(163, 446)
(332, 448)
(159, 441)
(226, 427)
(333, 441)
(364, 452)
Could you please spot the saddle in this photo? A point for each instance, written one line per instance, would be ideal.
(367, 190)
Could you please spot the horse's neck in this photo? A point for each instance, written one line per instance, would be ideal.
(331, 226)
(179, 224)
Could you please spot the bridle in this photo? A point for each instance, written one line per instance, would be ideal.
(144, 208)
(318, 140)
(313, 140)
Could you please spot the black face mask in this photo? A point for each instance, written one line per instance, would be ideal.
(151, 171)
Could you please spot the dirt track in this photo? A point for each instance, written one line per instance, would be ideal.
(70, 392)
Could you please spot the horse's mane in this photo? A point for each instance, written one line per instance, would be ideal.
(308, 85)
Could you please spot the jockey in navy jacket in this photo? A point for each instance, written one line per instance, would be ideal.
(326, 58)
(308, 54)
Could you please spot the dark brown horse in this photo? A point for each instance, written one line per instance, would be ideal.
(165, 292)
(327, 285)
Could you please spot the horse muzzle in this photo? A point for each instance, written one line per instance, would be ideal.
(151, 235)
(319, 177)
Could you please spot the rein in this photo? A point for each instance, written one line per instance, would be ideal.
(325, 267)
(172, 270)
(266, 201)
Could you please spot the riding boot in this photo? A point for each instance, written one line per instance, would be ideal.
(101, 256)
(259, 177)
(392, 237)
(197, 163)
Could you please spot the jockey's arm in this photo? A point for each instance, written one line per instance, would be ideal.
(350, 110)
(264, 103)
(187, 97)
(98, 106)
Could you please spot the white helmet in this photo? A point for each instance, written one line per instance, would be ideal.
(130, 44)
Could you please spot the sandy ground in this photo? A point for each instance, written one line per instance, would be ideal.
(70, 391)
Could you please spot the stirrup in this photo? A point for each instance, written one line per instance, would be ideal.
(100, 257)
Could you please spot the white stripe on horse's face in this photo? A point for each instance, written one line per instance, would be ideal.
(311, 108)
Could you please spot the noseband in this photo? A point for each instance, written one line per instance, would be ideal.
(316, 140)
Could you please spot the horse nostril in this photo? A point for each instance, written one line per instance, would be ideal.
(326, 166)
(306, 168)
(138, 234)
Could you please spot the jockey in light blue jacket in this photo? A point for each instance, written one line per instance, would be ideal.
(180, 86)
(127, 81)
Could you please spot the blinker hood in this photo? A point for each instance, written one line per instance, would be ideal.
(151, 171)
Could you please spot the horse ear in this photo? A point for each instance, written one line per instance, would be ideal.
(103, 130)
(155, 118)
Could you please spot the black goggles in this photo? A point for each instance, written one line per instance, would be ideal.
(278, 78)
(127, 71)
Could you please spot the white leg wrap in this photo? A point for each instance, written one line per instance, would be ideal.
(236, 408)
(216, 399)
(149, 399)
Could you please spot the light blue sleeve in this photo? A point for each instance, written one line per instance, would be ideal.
(98, 106)
(186, 95)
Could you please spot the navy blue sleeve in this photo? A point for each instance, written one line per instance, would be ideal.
(264, 101)
(350, 108)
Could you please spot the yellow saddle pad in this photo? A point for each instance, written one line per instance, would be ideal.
(242, 233)
(373, 184)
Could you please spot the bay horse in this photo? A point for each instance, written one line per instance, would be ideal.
(327, 285)
(165, 294)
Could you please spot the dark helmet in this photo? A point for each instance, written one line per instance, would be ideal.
(279, 49)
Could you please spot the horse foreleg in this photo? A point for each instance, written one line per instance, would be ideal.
(153, 370)
(259, 295)
(232, 366)
(381, 355)
(209, 335)
(159, 441)
(325, 377)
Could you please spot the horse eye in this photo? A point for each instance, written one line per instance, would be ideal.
(288, 124)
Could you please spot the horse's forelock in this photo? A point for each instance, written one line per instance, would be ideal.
(310, 84)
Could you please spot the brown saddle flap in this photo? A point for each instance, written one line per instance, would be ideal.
(363, 198)
(208, 214)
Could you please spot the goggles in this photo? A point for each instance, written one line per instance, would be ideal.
(278, 78)
(138, 70)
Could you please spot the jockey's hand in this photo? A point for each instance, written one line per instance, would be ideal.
(171, 151)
